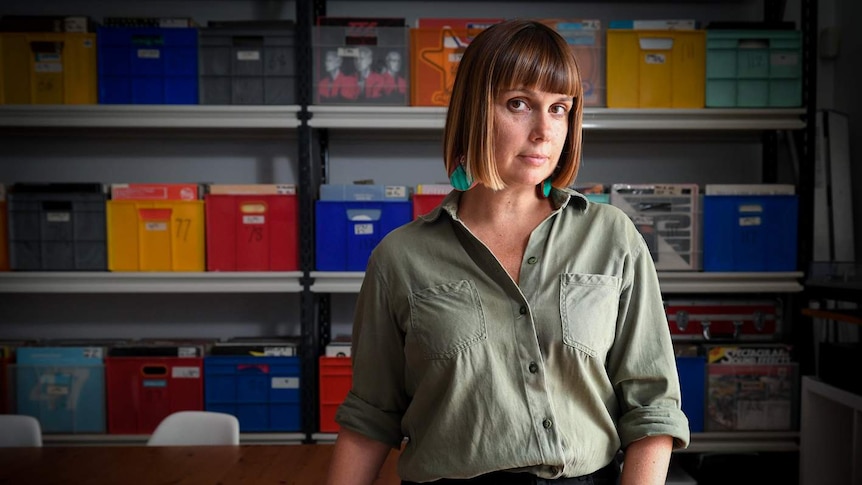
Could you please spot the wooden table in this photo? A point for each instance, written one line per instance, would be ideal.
(175, 465)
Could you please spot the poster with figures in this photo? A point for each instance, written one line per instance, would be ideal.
(361, 61)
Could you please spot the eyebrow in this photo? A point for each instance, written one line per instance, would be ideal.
(531, 93)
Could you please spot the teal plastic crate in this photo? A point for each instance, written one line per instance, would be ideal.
(753, 68)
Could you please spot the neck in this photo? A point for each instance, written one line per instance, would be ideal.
(483, 205)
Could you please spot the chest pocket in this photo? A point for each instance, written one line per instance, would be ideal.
(447, 319)
(589, 304)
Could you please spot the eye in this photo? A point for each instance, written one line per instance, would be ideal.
(559, 109)
(518, 105)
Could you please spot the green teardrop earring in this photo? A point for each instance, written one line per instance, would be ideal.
(460, 180)
(546, 187)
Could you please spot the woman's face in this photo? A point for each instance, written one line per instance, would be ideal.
(530, 129)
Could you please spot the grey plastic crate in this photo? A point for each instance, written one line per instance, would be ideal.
(57, 227)
(247, 66)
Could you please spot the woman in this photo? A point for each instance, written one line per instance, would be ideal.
(517, 331)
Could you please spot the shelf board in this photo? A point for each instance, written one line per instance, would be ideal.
(146, 282)
(670, 281)
(731, 441)
(729, 282)
(736, 441)
(434, 118)
(743, 442)
(148, 116)
(331, 282)
(374, 117)
(91, 439)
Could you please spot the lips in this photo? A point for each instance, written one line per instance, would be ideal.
(534, 158)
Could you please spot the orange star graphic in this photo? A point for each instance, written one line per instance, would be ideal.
(444, 58)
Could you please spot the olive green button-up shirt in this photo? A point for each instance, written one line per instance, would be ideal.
(550, 376)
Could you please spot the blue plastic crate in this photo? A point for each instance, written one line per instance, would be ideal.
(148, 65)
(262, 392)
(692, 382)
(347, 231)
(62, 387)
(749, 232)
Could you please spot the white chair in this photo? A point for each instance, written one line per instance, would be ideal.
(19, 430)
(192, 428)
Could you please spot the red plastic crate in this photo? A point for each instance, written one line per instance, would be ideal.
(141, 391)
(336, 379)
(425, 203)
(252, 232)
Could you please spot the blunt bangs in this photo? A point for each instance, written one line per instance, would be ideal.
(537, 59)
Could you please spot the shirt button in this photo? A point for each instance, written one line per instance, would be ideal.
(523, 310)
(532, 260)
(547, 424)
(533, 368)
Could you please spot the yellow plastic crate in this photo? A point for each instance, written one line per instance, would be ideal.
(48, 68)
(656, 68)
(156, 236)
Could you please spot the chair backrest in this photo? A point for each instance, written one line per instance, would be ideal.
(19, 430)
(190, 428)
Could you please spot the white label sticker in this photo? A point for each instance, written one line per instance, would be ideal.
(187, 352)
(48, 67)
(58, 216)
(749, 208)
(57, 390)
(456, 57)
(149, 54)
(156, 226)
(186, 372)
(248, 55)
(749, 221)
(395, 191)
(363, 229)
(253, 219)
(654, 58)
(278, 352)
(348, 52)
(784, 59)
(285, 382)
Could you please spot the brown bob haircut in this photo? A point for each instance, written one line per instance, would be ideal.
(509, 55)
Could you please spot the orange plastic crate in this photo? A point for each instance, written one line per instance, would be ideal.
(336, 379)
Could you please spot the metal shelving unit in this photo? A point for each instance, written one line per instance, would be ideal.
(309, 123)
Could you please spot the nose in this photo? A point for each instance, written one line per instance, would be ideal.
(541, 126)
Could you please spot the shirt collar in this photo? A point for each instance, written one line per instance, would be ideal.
(561, 198)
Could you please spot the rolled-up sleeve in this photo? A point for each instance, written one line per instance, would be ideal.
(377, 400)
(641, 365)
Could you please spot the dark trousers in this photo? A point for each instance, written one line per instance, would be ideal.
(608, 475)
